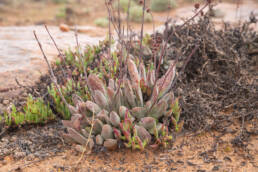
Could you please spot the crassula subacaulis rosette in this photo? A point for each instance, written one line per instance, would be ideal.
(137, 110)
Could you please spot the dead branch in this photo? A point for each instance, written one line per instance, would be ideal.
(53, 77)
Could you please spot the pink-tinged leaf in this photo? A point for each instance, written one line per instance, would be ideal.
(148, 122)
(76, 136)
(122, 111)
(138, 93)
(82, 108)
(139, 141)
(138, 112)
(111, 94)
(117, 133)
(129, 94)
(169, 97)
(97, 126)
(164, 83)
(143, 133)
(77, 124)
(100, 99)
(76, 99)
(93, 107)
(114, 119)
(96, 84)
(133, 72)
(111, 84)
(103, 116)
(99, 140)
(107, 132)
(72, 109)
(158, 109)
(151, 78)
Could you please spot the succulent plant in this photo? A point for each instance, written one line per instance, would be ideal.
(136, 110)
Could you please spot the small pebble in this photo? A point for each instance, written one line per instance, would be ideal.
(64, 28)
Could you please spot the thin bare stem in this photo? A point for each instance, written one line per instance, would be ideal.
(128, 17)
(53, 77)
(59, 51)
(142, 27)
(196, 14)
(88, 140)
(76, 37)
(109, 29)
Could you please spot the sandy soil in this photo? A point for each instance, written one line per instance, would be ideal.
(205, 152)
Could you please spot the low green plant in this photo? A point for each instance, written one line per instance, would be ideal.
(71, 87)
(101, 22)
(136, 15)
(162, 5)
(35, 112)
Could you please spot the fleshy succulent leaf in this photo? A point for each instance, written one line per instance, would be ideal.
(92, 107)
(76, 136)
(133, 72)
(114, 119)
(99, 140)
(148, 122)
(107, 132)
(97, 126)
(129, 94)
(110, 144)
(96, 84)
(100, 99)
(138, 112)
(143, 133)
(103, 116)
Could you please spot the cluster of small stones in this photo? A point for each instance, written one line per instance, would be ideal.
(117, 111)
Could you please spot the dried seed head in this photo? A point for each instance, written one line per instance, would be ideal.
(148, 10)
(197, 6)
